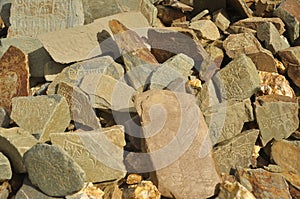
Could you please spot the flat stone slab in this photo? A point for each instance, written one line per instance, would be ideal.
(53, 170)
(206, 28)
(5, 168)
(41, 115)
(33, 17)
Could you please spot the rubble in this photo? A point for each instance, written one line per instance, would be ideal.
(5, 169)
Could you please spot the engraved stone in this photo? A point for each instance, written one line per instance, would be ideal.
(4, 118)
(14, 76)
(236, 152)
(53, 170)
(41, 115)
(14, 142)
(277, 116)
(234, 190)
(206, 29)
(33, 17)
(99, 167)
(177, 143)
(5, 169)
(81, 110)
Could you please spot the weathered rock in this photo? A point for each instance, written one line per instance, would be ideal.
(266, 7)
(241, 7)
(99, 153)
(295, 193)
(111, 190)
(145, 188)
(5, 169)
(291, 59)
(133, 179)
(4, 190)
(169, 15)
(89, 191)
(179, 66)
(41, 115)
(14, 142)
(52, 69)
(286, 155)
(62, 175)
(4, 118)
(60, 44)
(264, 184)
(221, 19)
(234, 190)
(206, 29)
(277, 116)
(149, 11)
(178, 5)
(236, 152)
(200, 15)
(226, 120)
(14, 76)
(216, 54)
(166, 118)
(208, 96)
(264, 61)
(200, 5)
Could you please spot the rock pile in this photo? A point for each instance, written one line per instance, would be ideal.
(149, 99)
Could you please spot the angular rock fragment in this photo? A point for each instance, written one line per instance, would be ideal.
(221, 19)
(31, 18)
(206, 29)
(149, 11)
(236, 152)
(4, 118)
(216, 54)
(286, 155)
(277, 116)
(14, 76)
(200, 15)
(264, 184)
(241, 7)
(5, 169)
(145, 188)
(4, 190)
(14, 143)
(51, 70)
(230, 190)
(41, 115)
(62, 175)
(89, 191)
(264, 61)
(133, 179)
(266, 7)
(105, 165)
(169, 15)
(111, 190)
(166, 118)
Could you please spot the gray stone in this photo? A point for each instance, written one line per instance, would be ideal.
(206, 29)
(5, 169)
(179, 66)
(5, 6)
(266, 7)
(61, 174)
(99, 153)
(4, 118)
(41, 115)
(106, 92)
(81, 110)
(216, 54)
(177, 143)
(51, 70)
(14, 142)
(208, 95)
(226, 120)
(149, 11)
(236, 152)
(277, 116)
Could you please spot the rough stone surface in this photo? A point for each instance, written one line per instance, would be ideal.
(200, 5)
(221, 19)
(236, 152)
(286, 155)
(41, 115)
(104, 165)
(241, 7)
(266, 7)
(5, 169)
(216, 54)
(14, 76)
(14, 143)
(89, 191)
(234, 190)
(176, 114)
(264, 184)
(277, 116)
(4, 118)
(149, 11)
(4, 190)
(63, 177)
(31, 18)
(206, 28)
(168, 15)
(52, 69)
(145, 188)
(264, 61)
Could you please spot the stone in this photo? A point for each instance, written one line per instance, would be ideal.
(89, 191)
(133, 179)
(60, 44)
(111, 190)
(181, 24)
(169, 15)
(145, 188)
(221, 19)
(285, 154)
(51, 70)
(241, 7)
(206, 29)
(5, 169)
(61, 174)
(4, 118)
(238, 80)
(4, 190)
(35, 17)
(167, 117)
(236, 152)
(200, 5)
(240, 29)
(99, 153)
(230, 190)
(14, 76)
(41, 115)
(277, 116)
(295, 193)
(266, 7)
(216, 54)
(5, 6)
(268, 34)
(264, 61)
(74, 74)
(179, 66)
(208, 97)
(291, 59)
(149, 11)
(178, 5)
(200, 15)
(264, 184)
(226, 120)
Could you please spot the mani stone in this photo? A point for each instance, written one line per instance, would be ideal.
(5, 169)
(226, 120)
(61, 175)
(176, 140)
(234, 190)
(206, 29)
(31, 18)
(268, 34)
(41, 115)
(179, 66)
(286, 155)
(99, 153)
(4, 118)
(277, 116)
(238, 80)
(236, 152)
(263, 184)
(14, 142)
(106, 92)
(14, 76)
